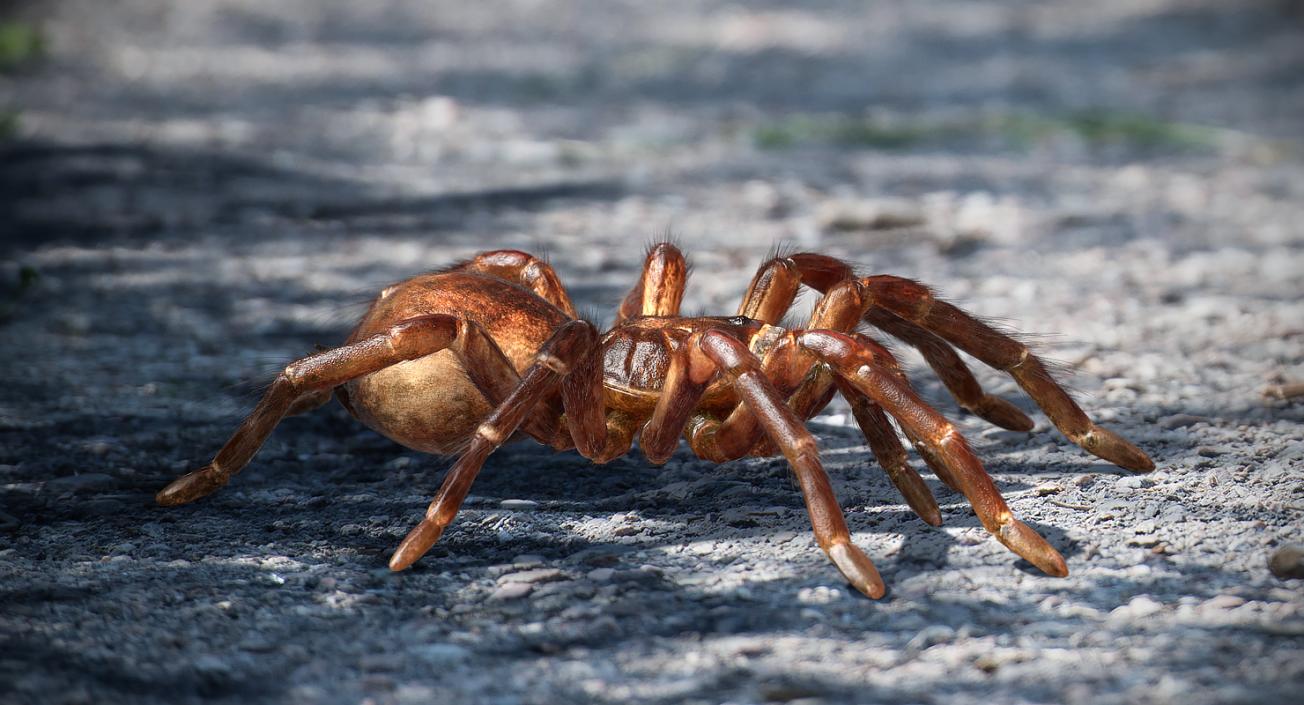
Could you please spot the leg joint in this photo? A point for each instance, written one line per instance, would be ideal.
(291, 377)
(490, 433)
(1024, 355)
(554, 363)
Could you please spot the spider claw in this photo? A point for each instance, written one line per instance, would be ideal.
(191, 486)
(1002, 413)
(857, 569)
(418, 541)
(1025, 541)
(1106, 444)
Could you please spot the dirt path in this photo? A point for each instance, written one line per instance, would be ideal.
(199, 192)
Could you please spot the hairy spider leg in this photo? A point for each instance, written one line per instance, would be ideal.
(680, 393)
(856, 364)
(306, 379)
(820, 272)
(741, 430)
(660, 287)
(839, 308)
(913, 301)
(889, 362)
(321, 371)
(524, 269)
(744, 371)
(769, 296)
(567, 346)
(772, 291)
(890, 454)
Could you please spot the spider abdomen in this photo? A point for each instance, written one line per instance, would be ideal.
(429, 404)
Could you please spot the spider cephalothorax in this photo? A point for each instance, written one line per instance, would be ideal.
(465, 358)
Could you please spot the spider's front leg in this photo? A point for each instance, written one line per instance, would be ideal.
(660, 287)
(743, 370)
(823, 273)
(913, 301)
(840, 308)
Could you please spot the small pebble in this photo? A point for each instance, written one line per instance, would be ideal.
(211, 665)
(1139, 607)
(1180, 421)
(538, 575)
(1224, 602)
(511, 591)
(1132, 482)
(1287, 562)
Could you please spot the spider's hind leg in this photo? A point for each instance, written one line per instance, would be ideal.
(524, 269)
(561, 354)
(301, 383)
(307, 383)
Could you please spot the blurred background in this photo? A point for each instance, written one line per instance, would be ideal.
(194, 193)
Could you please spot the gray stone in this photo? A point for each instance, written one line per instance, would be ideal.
(1287, 562)
(511, 591)
(538, 575)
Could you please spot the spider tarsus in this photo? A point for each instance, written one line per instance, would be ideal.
(930, 513)
(1106, 444)
(191, 486)
(917, 495)
(418, 541)
(857, 569)
(1003, 414)
(1025, 541)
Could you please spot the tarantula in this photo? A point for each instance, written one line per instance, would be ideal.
(461, 360)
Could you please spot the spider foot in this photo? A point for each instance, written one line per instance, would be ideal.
(1110, 446)
(1002, 413)
(192, 486)
(418, 541)
(857, 569)
(1028, 544)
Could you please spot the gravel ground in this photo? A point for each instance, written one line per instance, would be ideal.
(206, 190)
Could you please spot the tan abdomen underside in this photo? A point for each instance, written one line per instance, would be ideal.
(426, 404)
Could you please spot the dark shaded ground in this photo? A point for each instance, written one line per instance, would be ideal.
(199, 192)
